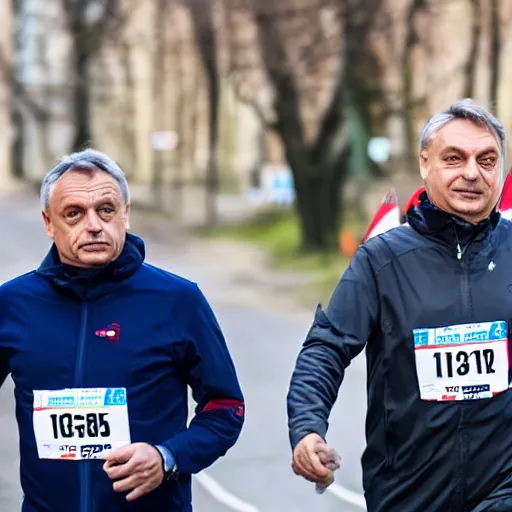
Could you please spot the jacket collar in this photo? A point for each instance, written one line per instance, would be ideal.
(92, 283)
(427, 219)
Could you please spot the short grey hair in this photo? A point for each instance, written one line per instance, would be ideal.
(86, 160)
(469, 110)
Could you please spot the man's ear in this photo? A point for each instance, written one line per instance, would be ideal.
(424, 163)
(48, 226)
(127, 216)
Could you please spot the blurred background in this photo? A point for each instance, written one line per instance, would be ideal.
(259, 137)
(297, 115)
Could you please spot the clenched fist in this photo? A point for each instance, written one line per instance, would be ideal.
(137, 468)
(313, 459)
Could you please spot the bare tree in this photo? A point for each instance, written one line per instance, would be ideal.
(161, 21)
(203, 18)
(476, 31)
(88, 22)
(128, 132)
(293, 43)
(412, 41)
(28, 100)
(495, 52)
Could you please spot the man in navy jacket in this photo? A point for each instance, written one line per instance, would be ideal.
(101, 347)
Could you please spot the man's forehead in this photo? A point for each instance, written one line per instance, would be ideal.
(465, 134)
(85, 186)
(86, 182)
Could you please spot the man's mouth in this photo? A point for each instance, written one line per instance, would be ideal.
(94, 246)
(469, 193)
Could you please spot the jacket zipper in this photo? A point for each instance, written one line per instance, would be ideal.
(465, 288)
(84, 468)
(465, 279)
(461, 435)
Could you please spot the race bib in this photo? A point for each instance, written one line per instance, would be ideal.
(462, 362)
(79, 424)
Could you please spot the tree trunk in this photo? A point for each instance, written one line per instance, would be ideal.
(318, 208)
(476, 30)
(318, 201)
(87, 38)
(412, 40)
(204, 29)
(212, 176)
(495, 53)
(178, 182)
(128, 132)
(336, 175)
(159, 65)
(81, 98)
(309, 211)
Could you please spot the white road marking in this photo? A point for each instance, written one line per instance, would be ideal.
(348, 496)
(222, 495)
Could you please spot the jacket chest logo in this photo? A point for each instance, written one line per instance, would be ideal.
(112, 332)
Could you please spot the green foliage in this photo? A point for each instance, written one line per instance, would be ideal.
(272, 230)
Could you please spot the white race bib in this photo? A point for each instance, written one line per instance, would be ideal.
(462, 362)
(80, 424)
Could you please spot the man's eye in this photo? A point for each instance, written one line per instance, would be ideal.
(452, 158)
(72, 214)
(488, 162)
(107, 210)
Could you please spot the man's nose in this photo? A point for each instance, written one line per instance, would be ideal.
(471, 171)
(93, 222)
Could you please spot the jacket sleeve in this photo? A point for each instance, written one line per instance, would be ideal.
(4, 367)
(337, 335)
(4, 360)
(209, 370)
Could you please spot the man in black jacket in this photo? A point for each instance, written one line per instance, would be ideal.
(431, 301)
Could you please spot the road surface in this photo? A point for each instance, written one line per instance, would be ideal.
(264, 337)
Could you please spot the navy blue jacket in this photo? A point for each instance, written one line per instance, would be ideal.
(52, 336)
(421, 456)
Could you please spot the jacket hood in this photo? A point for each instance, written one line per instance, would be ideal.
(92, 283)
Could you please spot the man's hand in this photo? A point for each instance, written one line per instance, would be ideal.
(137, 468)
(310, 459)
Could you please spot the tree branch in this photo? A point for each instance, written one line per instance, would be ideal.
(495, 53)
(357, 18)
(332, 119)
(20, 93)
(287, 102)
(253, 103)
(470, 67)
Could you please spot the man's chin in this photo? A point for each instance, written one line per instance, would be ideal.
(470, 210)
(96, 259)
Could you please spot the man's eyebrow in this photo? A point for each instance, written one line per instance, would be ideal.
(455, 149)
(71, 204)
(106, 197)
(109, 196)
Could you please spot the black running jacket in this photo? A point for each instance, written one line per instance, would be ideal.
(431, 302)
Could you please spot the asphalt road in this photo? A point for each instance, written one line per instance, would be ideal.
(264, 339)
